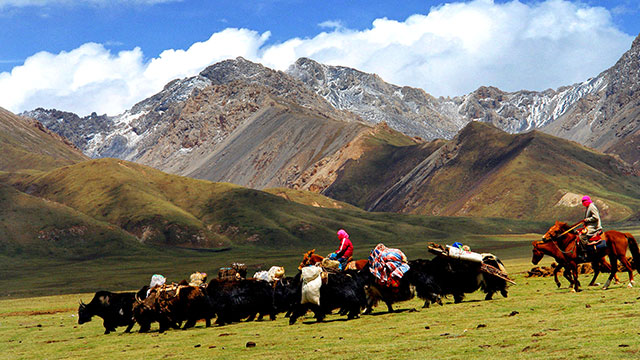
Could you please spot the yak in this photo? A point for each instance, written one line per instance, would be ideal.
(172, 305)
(418, 280)
(234, 300)
(457, 277)
(115, 309)
(286, 293)
(343, 290)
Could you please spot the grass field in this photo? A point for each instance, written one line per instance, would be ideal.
(535, 321)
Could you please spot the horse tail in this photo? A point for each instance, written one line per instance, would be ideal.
(633, 246)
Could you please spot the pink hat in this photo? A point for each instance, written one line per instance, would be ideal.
(586, 200)
(342, 234)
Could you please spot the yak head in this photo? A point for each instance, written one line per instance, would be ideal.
(84, 314)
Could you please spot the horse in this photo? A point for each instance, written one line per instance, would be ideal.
(310, 258)
(558, 237)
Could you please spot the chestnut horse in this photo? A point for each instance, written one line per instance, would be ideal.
(562, 244)
(310, 258)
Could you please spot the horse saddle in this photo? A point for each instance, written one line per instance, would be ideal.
(596, 242)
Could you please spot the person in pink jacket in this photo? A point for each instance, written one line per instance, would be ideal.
(345, 251)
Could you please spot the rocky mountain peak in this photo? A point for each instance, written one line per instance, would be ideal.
(636, 43)
(238, 68)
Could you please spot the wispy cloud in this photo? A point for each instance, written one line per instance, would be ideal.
(332, 24)
(452, 50)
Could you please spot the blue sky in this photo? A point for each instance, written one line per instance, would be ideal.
(99, 55)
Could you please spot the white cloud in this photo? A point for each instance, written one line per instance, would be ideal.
(91, 78)
(458, 47)
(452, 50)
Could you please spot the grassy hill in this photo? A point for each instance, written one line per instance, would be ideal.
(165, 209)
(27, 145)
(35, 227)
(485, 172)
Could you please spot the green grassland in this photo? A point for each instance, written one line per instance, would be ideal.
(535, 321)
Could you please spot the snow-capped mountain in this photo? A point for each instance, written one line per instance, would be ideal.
(190, 116)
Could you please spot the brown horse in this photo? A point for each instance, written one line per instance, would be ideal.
(310, 258)
(562, 245)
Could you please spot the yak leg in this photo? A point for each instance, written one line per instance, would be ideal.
(489, 295)
(457, 298)
(427, 303)
(389, 306)
(298, 311)
(207, 322)
(189, 324)
(319, 312)
(129, 327)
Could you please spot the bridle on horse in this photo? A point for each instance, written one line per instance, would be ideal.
(556, 237)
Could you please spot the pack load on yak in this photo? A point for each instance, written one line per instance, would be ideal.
(274, 274)
(458, 251)
(388, 265)
(237, 271)
(157, 280)
(198, 279)
(311, 283)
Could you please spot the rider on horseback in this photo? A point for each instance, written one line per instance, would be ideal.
(345, 251)
(592, 224)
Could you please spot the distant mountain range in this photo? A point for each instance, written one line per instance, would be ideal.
(353, 137)
(59, 205)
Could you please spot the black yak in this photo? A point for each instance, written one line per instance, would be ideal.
(342, 290)
(234, 300)
(171, 305)
(457, 277)
(115, 309)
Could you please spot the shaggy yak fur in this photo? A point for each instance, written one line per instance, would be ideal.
(343, 290)
(457, 277)
(234, 300)
(170, 306)
(286, 293)
(115, 309)
(418, 280)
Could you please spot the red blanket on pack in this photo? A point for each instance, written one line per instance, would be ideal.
(388, 265)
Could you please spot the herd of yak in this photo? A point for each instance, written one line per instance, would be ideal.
(231, 300)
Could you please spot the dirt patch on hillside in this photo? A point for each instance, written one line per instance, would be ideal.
(31, 313)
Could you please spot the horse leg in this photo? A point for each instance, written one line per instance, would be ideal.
(613, 261)
(576, 283)
(627, 265)
(556, 270)
(596, 271)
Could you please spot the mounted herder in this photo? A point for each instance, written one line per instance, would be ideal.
(590, 235)
(345, 251)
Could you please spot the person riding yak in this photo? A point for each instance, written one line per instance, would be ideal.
(345, 251)
(591, 221)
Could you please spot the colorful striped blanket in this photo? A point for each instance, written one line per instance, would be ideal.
(388, 265)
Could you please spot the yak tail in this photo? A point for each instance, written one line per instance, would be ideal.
(635, 252)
